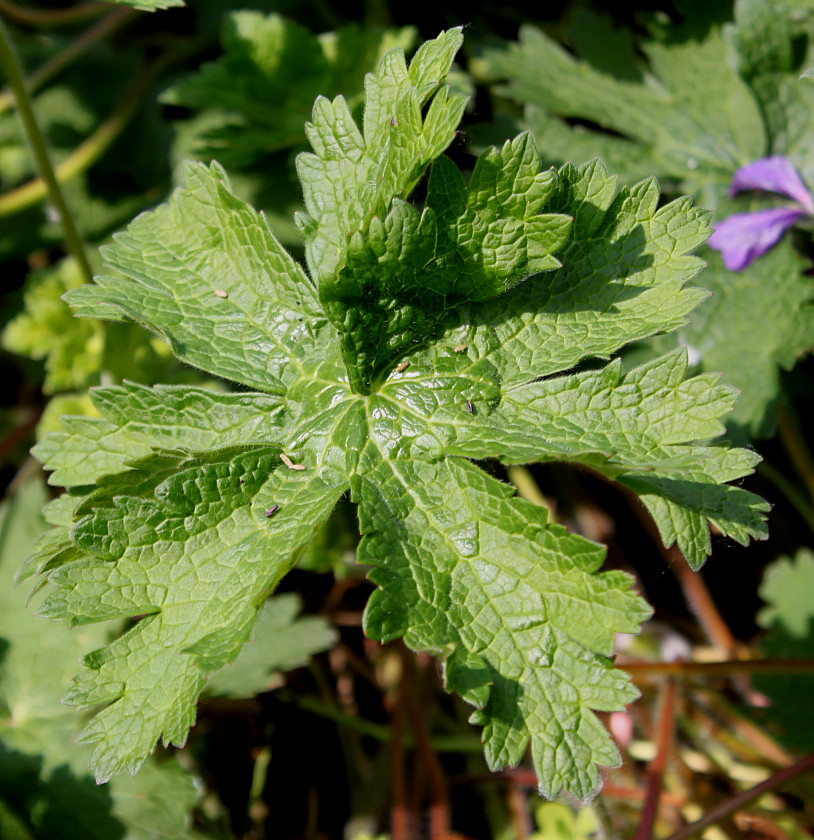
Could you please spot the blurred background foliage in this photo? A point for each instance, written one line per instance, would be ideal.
(315, 732)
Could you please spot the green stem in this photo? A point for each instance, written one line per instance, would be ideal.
(74, 50)
(794, 496)
(795, 444)
(380, 732)
(723, 810)
(87, 153)
(11, 68)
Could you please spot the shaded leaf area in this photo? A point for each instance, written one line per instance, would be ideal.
(189, 522)
(264, 84)
(405, 281)
(773, 298)
(788, 619)
(45, 790)
(280, 642)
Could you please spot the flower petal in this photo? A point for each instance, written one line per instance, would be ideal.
(774, 174)
(742, 238)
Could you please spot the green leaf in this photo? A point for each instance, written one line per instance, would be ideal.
(265, 83)
(663, 121)
(211, 558)
(715, 136)
(135, 420)
(248, 312)
(43, 781)
(772, 295)
(403, 282)
(353, 175)
(187, 506)
(46, 329)
(788, 618)
(280, 642)
(510, 605)
(624, 276)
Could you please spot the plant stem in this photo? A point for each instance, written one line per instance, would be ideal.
(701, 603)
(50, 17)
(795, 445)
(439, 792)
(723, 810)
(794, 496)
(727, 668)
(87, 153)
(11, 68)
(604, 824)
(380, 732)
(735, 720)
(655, 770)
(65, 57)
(518, 808)
(527, 487)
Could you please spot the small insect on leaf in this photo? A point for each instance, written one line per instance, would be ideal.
(290, 464)
(469, 407)
(402, 366)
(221, 294)
(459, 348)
(271, 511)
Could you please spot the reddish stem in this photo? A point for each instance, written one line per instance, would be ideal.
(439, 792)
(399, 816)
(730, 667)
(655, 770)
(701, 603)
(719, 812)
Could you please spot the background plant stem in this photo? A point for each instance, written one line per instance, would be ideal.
(10, 66)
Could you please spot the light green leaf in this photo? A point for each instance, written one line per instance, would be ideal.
(149, 5)
(43, 779)
(135, 420)
(625, 267)
(405, 281)
(247, 312)
(353, 175)
(46, 329)
(429, 336)
(510, 605)
(212, 555)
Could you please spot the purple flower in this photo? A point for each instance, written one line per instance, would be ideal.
(744, 237)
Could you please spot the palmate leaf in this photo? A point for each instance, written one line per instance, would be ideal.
(422, 338)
